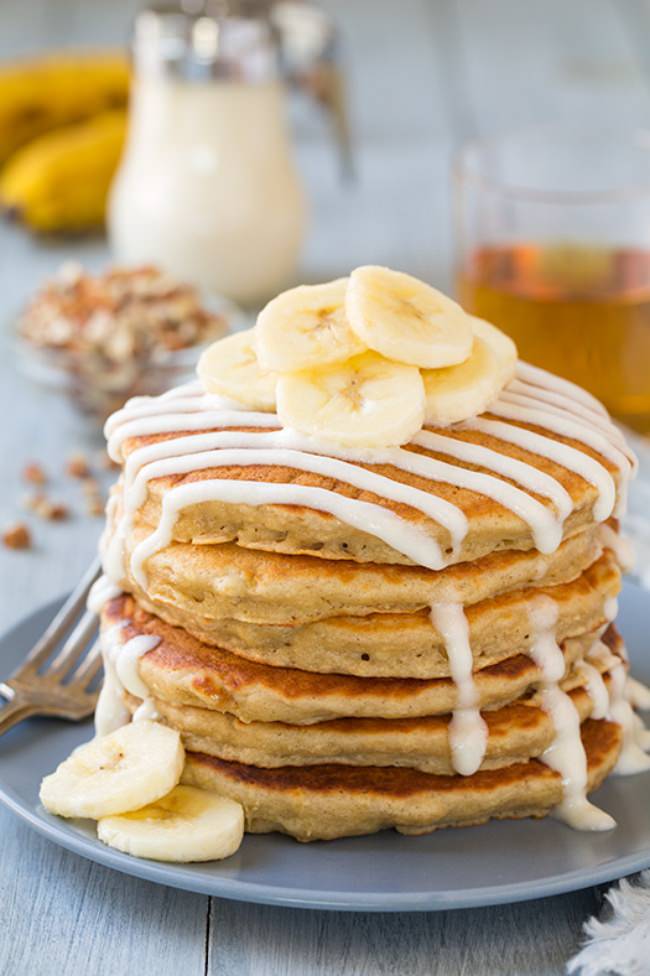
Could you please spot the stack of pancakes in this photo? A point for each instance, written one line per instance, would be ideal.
(299, 657)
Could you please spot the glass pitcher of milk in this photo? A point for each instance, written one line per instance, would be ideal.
(207, 188)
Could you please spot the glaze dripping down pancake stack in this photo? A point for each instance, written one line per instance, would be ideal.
(414, 637)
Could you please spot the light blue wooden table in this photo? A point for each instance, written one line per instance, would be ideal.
(424, 76)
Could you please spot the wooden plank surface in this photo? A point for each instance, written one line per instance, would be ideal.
(62, 914)
(509, 940)
(423, 77)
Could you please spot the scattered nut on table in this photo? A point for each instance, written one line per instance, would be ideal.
(17, 536)
(45, 508)
(34, 473)
(77, 466)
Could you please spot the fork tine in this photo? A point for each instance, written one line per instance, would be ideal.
(61, 622)
(89, 667)
(74, 647)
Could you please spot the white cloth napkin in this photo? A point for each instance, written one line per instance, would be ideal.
(618, 941)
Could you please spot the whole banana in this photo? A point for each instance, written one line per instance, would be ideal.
(42, 94)
(60, 181)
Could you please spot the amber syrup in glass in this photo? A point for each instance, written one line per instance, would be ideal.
(580, 311)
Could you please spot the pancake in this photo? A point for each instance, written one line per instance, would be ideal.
(516, 733)
(182, 671)
(227, 581)
(329, 801)
(299, 530)
(350, 640)
(404, 645)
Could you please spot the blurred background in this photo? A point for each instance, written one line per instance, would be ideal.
(422, 77)
(219, 193)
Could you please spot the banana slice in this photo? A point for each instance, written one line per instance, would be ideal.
(368, 401)
(133, 766)
(463, 391)
(502, 344)
(230, 368)
(306, 327)
(186, 825)
(406, 320)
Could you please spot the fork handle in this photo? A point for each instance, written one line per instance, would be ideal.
(13, 713)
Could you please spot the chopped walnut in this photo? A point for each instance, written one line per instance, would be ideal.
(45, 508)
(42, 506)
(17, 536)
(116, 334)
(34, 473)
(52, 511)
(70, 273)
(77, 466)
(57, 512)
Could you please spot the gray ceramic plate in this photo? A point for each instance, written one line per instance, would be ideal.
(499, 862)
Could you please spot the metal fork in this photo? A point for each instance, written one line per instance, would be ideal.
(30, 692)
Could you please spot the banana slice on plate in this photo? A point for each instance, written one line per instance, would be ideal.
(405, 319)
(230, 368)
(125, 770)
(367, 401)
(306, 327)
(459, 392)
(186, 825)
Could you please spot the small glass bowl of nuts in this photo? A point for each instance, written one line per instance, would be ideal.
(127, 332)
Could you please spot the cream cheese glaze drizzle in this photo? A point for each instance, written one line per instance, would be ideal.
(529, 410)
(297, 451)
(555, 397)
(126, 663)
(558, 405)
(276, 449)
(567, 457)
(549, 381)
(186, 399)
(620, 545)
(101, 592)
(632, 758)
(545, 525)
(197, 418)
(365, 516)
(638, 694)
(525, 474)
(511, 409)
(111, 711)
(566, 754)
(596, 689)
(467, 731)
(120, 666)
(610, 608)
(121, 675)
(190, 410)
